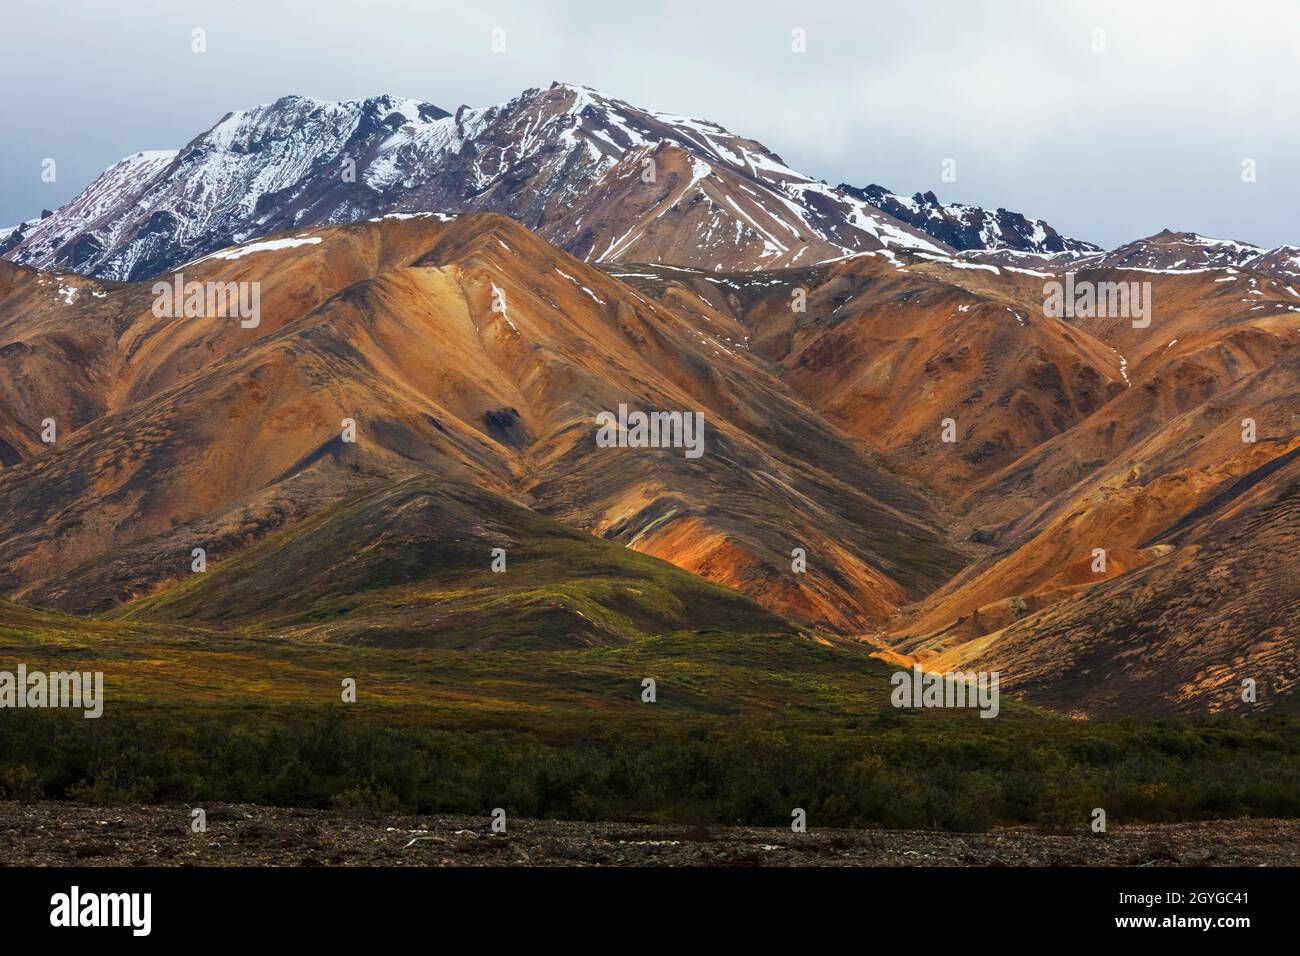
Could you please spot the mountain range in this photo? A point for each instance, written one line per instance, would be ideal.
(471, 289)
(603, 180)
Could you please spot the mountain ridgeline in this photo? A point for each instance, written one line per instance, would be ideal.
(602, 179)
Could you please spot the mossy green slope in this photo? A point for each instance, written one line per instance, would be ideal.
(410, 564)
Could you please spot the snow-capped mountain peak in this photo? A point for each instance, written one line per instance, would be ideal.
(596, 175)
(966, 227)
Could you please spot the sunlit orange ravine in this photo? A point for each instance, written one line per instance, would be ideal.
(469, 348)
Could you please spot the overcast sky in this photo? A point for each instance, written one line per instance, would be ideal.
(1109, 145)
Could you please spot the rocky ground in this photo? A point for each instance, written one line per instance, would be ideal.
(63, 834)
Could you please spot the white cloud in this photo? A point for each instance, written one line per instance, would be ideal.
(1107, 146)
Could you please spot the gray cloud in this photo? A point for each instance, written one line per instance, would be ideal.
(1106, 146)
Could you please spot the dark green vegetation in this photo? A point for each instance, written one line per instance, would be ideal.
(410, 564)
(746, 727)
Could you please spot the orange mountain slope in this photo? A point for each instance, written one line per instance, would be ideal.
(904, 446)
(466, 348)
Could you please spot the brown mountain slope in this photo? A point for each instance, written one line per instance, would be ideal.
(1125, 519)
(1184, 631)
(1060, 466)
(56, 331)
(1208, 330)
(75, 348)
(469, 349)
(887, 347)
(1126, 506)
